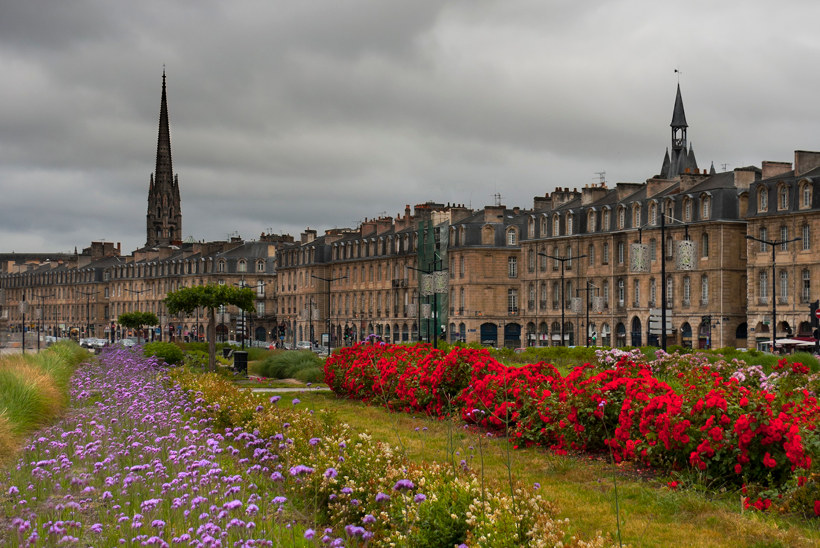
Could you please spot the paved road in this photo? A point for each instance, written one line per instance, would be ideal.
(293, 389)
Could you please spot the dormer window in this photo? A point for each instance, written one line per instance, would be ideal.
(512, 237)
(805, 195)
(556, 225)
(220, 266)
(705, 207)
(636, 216)
(762, 199)
(783, 197)
(242, 266)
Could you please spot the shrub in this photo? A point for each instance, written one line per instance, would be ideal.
(166, 351)
(285, 365)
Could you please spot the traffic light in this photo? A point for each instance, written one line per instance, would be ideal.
(594, 336)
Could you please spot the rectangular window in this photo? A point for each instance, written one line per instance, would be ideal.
(687, 290)
(512, 301)
(764, 235)
(605, 254)
(621, 292)
(512, 267)
(636, 292)
(764, 285)
(784, 235)
(806, 238)
(621, 248)
(806, 290)
(704, 290)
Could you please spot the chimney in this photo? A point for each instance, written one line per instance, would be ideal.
(773, 169)
(805, 161)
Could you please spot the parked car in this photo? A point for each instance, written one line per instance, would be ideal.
(127, 343)
(304, 345)
(320, 350)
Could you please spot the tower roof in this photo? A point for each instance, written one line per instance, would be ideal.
(678, 115)
(164, 171)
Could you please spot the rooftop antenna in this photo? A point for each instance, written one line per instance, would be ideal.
(497, 198)
(601, 176)
(724, 165)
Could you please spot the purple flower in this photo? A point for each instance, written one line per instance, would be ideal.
(309, 534)
(300, 469)
(369, 518)
(347, 490)
(330, 473)
(296, 401)
(537, 485)
(403, 484)
(274, 399)
(381, 497)
(419, 498)
(280, 500)
(314, 441)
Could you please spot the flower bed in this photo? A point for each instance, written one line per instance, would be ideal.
(723, 422)
(152, 456)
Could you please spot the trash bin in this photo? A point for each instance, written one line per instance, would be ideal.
(226, 351)
(240, 362)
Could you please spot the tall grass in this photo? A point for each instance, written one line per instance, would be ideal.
(34, 391)
(303, 365)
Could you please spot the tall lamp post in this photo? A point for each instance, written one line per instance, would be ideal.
(241, 284)
(589, 287)
(773, 243)
(139, 292)
(40, 318)
(563, 300)
(327, 318)
(87, 310)
(435, 269)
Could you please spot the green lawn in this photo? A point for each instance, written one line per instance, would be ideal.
(582, 487)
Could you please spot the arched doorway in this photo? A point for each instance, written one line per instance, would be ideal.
(260, 334)
(606, 335)
(741, 334)
(542, 334)
(531, 337)
(636, 331)
(512, 335)
(489, 334)
(555, 330)
(620, 334)
(686, 335)
(704, 334)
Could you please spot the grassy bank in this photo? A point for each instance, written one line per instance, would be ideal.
(33, 391)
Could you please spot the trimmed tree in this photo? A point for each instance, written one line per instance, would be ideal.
(137, 320)
(209, 297)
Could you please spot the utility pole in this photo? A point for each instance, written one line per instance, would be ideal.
(40, 318)
(327, 317)
(563, 300)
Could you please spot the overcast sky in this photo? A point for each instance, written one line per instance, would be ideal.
(320, 113)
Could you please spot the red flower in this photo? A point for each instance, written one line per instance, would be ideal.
(768, 461)
(817, 508)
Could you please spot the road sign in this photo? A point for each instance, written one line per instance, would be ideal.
(817, 313)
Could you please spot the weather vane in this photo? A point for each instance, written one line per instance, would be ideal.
(678, 73)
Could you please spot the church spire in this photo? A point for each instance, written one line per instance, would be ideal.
(164, 219)
(164, 170)
(682, 157)
(679, 124)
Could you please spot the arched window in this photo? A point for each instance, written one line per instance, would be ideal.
(636, 216)
(512, 237)
(783, 197)
(621, 217)
(705, 207)
(591, 221)
(556, 225)
(762, 198)
(570, 223)
(220, 266)
(653, 213)
(242, 266)
(687, 210)
(805, 195)
(605, 221)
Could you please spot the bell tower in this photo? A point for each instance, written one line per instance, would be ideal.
(164, 219)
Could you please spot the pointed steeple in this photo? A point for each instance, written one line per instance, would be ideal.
(164, 219)
(164, 171)
(678, 115)
(712, 169)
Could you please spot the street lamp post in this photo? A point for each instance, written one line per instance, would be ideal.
(435, 300)
(327, 318)
(773, 243)
(40, 318)
(563, 300)
(88, 310)
(589, 287)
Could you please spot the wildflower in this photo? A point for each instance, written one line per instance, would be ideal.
(420, 497)
(536, 485)
(309, 534)
(369, 518)
(314, 441)
(330, 473)
(300, 469)
(381, 497)
(296, 401)
(403, 484)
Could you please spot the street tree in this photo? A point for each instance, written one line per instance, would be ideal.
(209, 297)
(137, 320)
